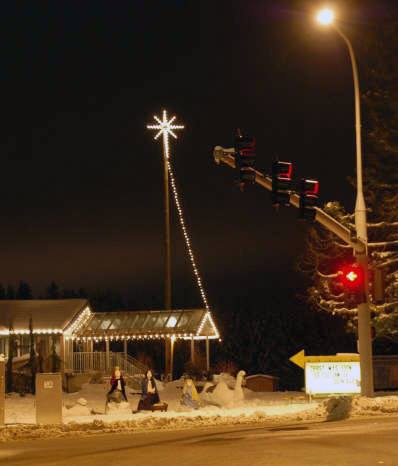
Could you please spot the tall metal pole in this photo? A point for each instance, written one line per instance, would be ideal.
(2, 390)
(166, 127)
(364, 322)
(167, 237)
(167, 257)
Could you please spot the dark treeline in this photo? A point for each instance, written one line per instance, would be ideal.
(24, 291)
(100, 300)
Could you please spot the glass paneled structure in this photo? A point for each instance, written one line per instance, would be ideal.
(153, 324)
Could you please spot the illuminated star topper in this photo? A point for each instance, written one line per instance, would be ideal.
(165, 127)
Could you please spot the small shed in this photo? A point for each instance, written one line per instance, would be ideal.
(262, 383)
(385, 369)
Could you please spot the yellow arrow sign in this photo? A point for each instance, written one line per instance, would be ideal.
(300, 359)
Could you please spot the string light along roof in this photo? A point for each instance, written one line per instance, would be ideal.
(187, 323)
(166, 128)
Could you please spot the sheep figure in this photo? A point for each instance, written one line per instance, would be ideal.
(223, 396)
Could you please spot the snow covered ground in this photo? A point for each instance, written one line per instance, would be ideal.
(84, 412)
(88, 405)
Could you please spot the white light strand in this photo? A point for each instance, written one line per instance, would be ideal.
(165, 127)
(208, 317)
(185, 234)
(78, 323)
(39, 331)
(97, 338)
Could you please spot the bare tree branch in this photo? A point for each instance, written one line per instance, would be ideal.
(382, 224)
(382, 244)
(388, 263)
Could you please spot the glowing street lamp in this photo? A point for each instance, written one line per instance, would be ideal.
(326, 17)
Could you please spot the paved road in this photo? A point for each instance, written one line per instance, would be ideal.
(344, 443)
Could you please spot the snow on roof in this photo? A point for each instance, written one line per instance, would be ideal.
(46, 314)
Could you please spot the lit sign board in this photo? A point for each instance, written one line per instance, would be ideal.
(322, 378)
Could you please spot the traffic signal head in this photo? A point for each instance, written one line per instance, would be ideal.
(245, 148)
(308, 198)
(281, 182)
(379, 285)
(352, 280)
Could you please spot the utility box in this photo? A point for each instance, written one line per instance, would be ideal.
(2, 391)
(48, 398)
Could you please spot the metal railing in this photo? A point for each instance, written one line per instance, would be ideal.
(103, 362)
(128, 364)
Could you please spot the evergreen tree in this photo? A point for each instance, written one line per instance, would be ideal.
(10, 294)
(381, 156)
(69, 294)
(323, 256)
(24, 291)
(107, 301)
(82, 293)
(53, 291)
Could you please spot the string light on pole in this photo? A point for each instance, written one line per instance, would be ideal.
(166, 128)
(186, 236)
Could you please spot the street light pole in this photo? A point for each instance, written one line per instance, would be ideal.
(364, 322)
(360, 207)
(326, 17)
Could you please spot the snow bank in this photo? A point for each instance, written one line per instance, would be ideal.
(139, 423)
(88, 417)
(337, 408)
(385, 404)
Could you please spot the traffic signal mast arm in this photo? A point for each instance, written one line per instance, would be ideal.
(227, 156)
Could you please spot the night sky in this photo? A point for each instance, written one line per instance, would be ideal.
(81, 177)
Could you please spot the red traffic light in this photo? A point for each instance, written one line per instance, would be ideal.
(247, 147)
(310, 187)
(351, 276)
(282, 170)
